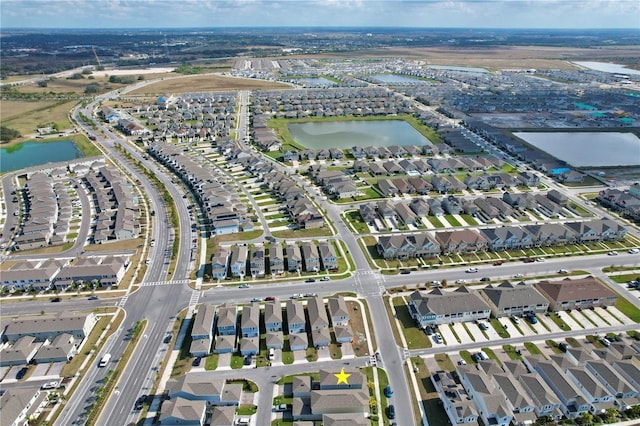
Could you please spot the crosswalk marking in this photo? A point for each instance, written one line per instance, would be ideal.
(154, 283)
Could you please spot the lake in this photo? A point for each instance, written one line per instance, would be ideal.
(345, 134)
(393, 78)
(317, 81)
(608, 67)
(586, 149)
(28, 154)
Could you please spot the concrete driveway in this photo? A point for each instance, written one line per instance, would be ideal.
(591, 318)
(512, 328)
(553, 327)
(447, 336)
(622, 317)
(611, 319)
(462, 333)
(568, 319)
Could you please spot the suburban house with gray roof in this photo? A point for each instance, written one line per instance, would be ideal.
(276, 259)
(506, 238)
(294, 259)
(238, 262)
(219, 262)
(48, 327)
(573, 401)
(444, 307)
(328, 255)
(514, 299)
(338, 311)
(180, 411)
(226, 320)
(318, 318)
(202, 331)
(295, 317)
(273, 316)
(491, 403)
(250, 320)
(257, 261)
(310, 256)
(456, 402)
(200, 386)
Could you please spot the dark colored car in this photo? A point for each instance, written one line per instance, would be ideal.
(140, 401)
(196, 361)
(485, 279)
(310, 280)
(56, 299)
(529, 260)
(405, 271)
(20, 374)
(497, 263)
(167, 339)
(391, 412)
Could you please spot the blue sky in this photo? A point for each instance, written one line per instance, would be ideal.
(249, 13)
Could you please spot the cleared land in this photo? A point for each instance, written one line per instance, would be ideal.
(495, 57)
(208, 82)
(25, 116)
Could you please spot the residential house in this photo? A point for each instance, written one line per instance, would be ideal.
(238, 262)
(544, 399)
(250, 320)
(615, 384)
(550, 234)
(457, 403)
(295, 317)
(558, 197)
(317, 313)
(408, 246)
(179, 411)
(310, 256)
(445, 307)
(518, 402)
(452, 205)
(338, 311)
(573, 401)
(226, 320)
(202, 330)
(461, 241)
(520, 200)
(328, 255)
(597, 230)
(506, 238)
(294, 259)
(597, 394)
(276, 259)
(196, 386)
(509, 299)
(406, 215)
(257, 262)
(273, 316)
(298, 341)
(490, 402)
(576, 293)
(219, 263)
(387, 188)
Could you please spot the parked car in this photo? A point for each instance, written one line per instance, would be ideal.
(634, 250)
(498, 263)
(244, 286)
(167, 339)
(613, 253)
(391, 412)
(21, 373)
(94, 297)
(563, 347)
(405, 271)
(310, 280)
(563, 271)
(388, 392)
(533, 319)
(605, 341)
(471, 270)
(462, 362)
(140, 402)
(515, 319)
(485, 279)
(56, 299)
(270, 298)
(325, 279)
(529, 260)
(518, 276)
(483, 326)
(196, 361)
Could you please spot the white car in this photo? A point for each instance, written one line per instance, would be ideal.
(461, 281)
(613, 253)
(515, 319)
(518, 276)
(471, 270)
(634, 251)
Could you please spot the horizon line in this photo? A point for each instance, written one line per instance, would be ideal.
(324, 27)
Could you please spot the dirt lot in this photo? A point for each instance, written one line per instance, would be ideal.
(209, 82)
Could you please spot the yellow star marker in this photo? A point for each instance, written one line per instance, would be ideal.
(342, 377)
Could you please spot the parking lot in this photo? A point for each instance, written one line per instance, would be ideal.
(586, 319)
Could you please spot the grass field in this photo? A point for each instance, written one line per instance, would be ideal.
(208, 82)
(25, 116)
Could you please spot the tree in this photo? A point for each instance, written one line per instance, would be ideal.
(7, 134)
(42, 83)
(91, 88)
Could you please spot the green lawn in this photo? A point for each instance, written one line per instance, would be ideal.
(627, 308)
(211, 362)
(415, 337)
